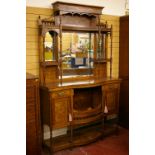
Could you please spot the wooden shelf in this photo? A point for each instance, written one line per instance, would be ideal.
(81, 137)
(86, 29)
(75, 28)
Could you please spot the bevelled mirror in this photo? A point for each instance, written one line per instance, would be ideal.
(77, 53)
(48, 47)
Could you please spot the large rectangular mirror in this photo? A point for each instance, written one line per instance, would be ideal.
(77, 53)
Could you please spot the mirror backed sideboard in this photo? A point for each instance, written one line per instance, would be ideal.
(78, 93)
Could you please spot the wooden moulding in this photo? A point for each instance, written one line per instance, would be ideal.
(76, 8)
(76, 17)
(86, 29)
(67, 28)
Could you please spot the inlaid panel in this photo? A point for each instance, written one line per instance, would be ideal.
(111, 97)
(60, 112)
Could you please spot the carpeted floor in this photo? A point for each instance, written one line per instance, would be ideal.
(111, 145)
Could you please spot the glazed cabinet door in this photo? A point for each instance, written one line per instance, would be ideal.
(111, 98)
(61, 101)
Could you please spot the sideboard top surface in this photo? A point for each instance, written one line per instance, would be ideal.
(80, 84)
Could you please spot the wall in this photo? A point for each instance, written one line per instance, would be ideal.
(32, 50)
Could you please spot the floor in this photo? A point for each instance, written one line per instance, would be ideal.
(111, 145)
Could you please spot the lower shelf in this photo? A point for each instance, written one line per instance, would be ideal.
(80, 137)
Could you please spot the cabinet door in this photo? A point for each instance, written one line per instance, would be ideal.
(111, 98)
(60, 108)
(60, 112)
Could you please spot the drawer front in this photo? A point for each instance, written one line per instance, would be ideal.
(61, 94)
(110, 86)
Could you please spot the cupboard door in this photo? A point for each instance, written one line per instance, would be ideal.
(111, 98)
(60, 112)
(60, 103)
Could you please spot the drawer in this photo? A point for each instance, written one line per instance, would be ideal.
(60, 94)
(110, 86)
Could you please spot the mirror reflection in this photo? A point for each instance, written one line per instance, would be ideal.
(48, 47)
(77, 52)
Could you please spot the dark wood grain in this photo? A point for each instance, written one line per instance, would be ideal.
(33, 126)
(124, 71)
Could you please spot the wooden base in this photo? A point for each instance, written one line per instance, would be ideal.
(80, 137)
